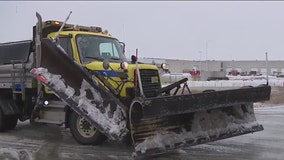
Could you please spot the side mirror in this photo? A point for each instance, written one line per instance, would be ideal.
(106, 64)
(122, 47)
(133, 59)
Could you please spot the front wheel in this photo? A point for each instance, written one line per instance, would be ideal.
(83, 132)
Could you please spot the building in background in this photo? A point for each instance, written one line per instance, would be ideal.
(219, 68)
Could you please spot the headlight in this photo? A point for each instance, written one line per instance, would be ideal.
(45, 103)
(124, 65)
(106, 64)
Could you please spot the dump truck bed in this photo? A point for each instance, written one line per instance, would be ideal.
(16, 60)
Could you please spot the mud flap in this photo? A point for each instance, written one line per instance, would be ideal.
(165, 123)
(77, 89)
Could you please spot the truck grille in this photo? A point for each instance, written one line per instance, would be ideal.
(150, 82)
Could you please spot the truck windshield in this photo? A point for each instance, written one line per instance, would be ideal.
(96, 48)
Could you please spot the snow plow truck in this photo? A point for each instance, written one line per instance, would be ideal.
(78, 76)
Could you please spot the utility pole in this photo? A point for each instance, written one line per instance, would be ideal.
(266, 63)
(206, 50)
(200, 68)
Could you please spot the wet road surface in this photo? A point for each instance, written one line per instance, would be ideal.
(55, 142)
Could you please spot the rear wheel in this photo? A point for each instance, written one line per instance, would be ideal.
(83, 132)
(11, 121)
(1, 121)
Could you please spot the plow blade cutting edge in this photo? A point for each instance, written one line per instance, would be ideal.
(161, 124)
(83, 94)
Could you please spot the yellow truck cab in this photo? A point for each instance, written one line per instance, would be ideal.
(91, 48)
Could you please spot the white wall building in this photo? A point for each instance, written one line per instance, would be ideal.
(179, 66)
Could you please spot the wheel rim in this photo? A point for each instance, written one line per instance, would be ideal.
(85, 128)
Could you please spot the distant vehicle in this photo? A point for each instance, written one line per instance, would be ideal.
(280, 76)
(252, 73)
(234, 72)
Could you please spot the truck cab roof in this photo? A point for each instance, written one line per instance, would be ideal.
(54, 26)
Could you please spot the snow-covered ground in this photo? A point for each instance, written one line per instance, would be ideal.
(236, 81)
(48, 141)
(14, 154)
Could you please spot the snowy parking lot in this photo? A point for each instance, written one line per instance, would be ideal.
(47, 141)
(28, 142)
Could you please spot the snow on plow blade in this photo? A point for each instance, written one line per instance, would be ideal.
(161, 124)
(76, 88)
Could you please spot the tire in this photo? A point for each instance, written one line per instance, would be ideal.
(2, 127)
(83, 132)
(11, 121)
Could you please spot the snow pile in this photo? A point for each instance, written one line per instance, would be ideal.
(174, 77)
(113, 125)
(262, 77)
(204, 126)
(59, 84)
(235, 83)
(161, 140)
(12, 154)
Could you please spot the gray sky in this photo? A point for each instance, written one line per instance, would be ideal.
(174, 30)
